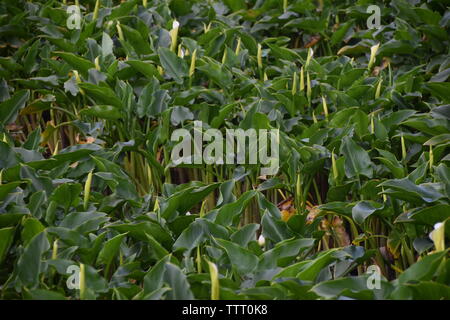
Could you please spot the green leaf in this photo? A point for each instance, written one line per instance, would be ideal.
(139, 230)
(123, 9)
(153, 280)
(153, 100)
(156, 295)
(146, 68)
(10, 64)
(10, 107)
(390, 161)
(244, 260)
(197, 232)
(94, 282)
(188, 196)
(70, 237)
(429, 126)
(443, 173)
(42, 294)
(405, 189)
(190, 238)
(158, 250)
(235, 5)
(6, 236)
(395, 47)
(103, 112)
(310, 270)
(428, 290)
(423, 270)
(84, 222)
(216, 72)
(218, 120)
(173, 65)
(107, 44)
(177, 281)
(273, 228)
(229, 211)
(7, 188)
(340, 33)
(284, 252)
(439, 89)
(311, 24)
(165, 272)
(110, 250)
(31, 227)
(102, 94)
(76, 62)
(67, 195)
(37, 181)
(441, 76)
(30, 266)
(430, 215)
(357, 160)
(363, 209)
(437, 140)
(30, 61)
(352, 287)
(33, 140)
(140, 45)
(245, 234)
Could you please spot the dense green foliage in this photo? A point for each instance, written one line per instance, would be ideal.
(86, 178)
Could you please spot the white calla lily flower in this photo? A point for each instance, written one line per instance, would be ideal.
(261, 240)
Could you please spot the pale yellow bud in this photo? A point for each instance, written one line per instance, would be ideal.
(431, 157)
(309, 57)
(87, 190)
(294, 84)
(96, 9)
(119, 31)
(402, 140)
(192, 67)
(224, 57)
(259, 56)
(214, 276)
(325, 107)
(373, 54)
(82, 282)
(55, 250)
(334, 166)
(238, 46)
(174, 35)
(302, 80)
(97, 64)
(378, 91)
(308, 87)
